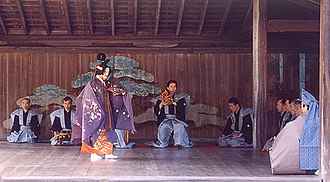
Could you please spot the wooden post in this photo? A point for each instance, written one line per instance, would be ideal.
(259, 71)
(324, 89)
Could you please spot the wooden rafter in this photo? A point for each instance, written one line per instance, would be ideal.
(202, 19)
(66, 12)
(181, 8)
(71, 39)
(135, 17)
(225, 17)
(43, 13)
(314, 2)
(247, 16)
(3, 24)
(90, 18)
(20, 10)
(312, 5)
(293, 26)
(159, 3)
(112, 9)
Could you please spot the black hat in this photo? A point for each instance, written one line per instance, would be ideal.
(99, 68)
(101, 56)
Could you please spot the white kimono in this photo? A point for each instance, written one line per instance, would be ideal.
(284, 154)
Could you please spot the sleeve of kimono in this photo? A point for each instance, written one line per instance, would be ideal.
(16, 126)
(228, 129)
(247, 128)
(56, 125)
(35, 126)
(156, 108)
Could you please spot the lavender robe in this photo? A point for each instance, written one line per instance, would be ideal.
(122, 111)
(122, 115)
(92, 114)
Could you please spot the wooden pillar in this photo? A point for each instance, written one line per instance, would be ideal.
(259, 71)
(325, 89)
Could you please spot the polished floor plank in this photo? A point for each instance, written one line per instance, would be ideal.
(43, 162)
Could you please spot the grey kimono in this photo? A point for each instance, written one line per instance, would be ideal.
(172, 120)
(25, 126)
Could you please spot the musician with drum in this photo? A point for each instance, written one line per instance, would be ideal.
(171, 109)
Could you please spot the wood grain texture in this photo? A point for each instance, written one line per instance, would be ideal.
(42, 162)
(210, 79)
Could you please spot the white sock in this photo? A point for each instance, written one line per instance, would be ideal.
(95, 157)
(111, 156)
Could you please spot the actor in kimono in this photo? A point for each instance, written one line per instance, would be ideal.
(94, 116)
(122, 113)
(61, 123)
(238, 130)
(171, 109)
(284, 154)
(25, 124)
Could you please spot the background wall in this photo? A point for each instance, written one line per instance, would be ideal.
(210, 79)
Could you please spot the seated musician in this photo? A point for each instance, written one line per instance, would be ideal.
(25, 124)
(61, 123)
(238, 130)
(171, 109)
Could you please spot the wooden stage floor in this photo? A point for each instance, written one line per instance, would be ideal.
(43, 162)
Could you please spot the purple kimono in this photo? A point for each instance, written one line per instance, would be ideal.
(122, 110)
(94, 112)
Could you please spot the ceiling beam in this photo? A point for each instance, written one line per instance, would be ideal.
(293, 26)
(202, 18)
(135, 17)
(4, 29)
(90, 17)
(307, 4)
(225, 17)
(34, 40)
(316, 2)
(20, 10)
(247, 15)
(43, 13)
(112, 9)
(122, 50)
(67, 18)
(179, 50)
(159, 3)
(178, 25)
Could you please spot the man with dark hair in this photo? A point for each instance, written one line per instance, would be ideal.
(238, 130)
(61, 122)
(171, 109)
(25, 124)
(297, 108)
(284, 112)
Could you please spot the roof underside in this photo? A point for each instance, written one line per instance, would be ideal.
(216, 22)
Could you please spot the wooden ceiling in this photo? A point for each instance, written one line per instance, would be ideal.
(146, 23)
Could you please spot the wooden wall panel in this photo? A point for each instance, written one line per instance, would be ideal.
(210, 79)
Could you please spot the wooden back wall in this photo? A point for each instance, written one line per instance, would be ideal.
(210, 79)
